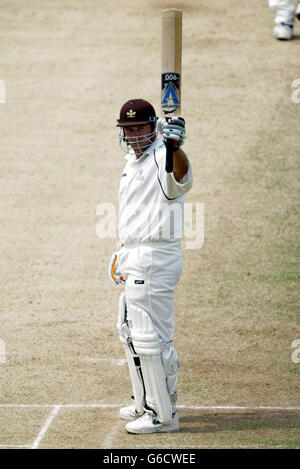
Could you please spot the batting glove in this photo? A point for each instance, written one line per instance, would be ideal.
(113, 270)
(173, 129)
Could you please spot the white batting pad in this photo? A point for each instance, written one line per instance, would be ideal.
(133, 360)
(147, 346)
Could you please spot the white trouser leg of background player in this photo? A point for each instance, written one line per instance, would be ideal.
(285, 11)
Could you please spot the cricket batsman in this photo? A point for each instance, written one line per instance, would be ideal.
(149, 262)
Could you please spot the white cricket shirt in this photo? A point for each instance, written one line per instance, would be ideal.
(150, 199)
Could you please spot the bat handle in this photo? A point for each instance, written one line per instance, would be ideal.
(169, 156)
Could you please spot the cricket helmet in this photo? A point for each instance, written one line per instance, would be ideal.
(136, 112)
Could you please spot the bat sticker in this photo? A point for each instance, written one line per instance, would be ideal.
(170, 92)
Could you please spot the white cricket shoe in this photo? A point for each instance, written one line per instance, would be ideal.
(129, 412)
(297, 13)
(283, 31)
(147, 423)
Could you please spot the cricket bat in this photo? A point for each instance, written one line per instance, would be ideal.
(171, 65)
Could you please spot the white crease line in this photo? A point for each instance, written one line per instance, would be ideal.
(231, 407)
(111, 361)
(191, 407)
(102, 406)
(45, 427)
(27, 405)
(15, 446)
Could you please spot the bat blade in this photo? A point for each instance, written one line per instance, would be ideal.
(171, 67)
(171, 61)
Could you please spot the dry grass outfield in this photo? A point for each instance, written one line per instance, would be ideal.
(68, 66)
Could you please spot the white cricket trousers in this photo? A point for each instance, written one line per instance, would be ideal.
(151, 271)
(285, 11)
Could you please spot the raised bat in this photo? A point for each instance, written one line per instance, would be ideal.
(171, 65)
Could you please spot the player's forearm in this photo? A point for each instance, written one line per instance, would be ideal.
(180, 164)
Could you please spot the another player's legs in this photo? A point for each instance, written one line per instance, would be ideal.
(283, 31)
(284, 18)
(298, 11)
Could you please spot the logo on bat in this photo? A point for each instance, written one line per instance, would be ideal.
(170, 92)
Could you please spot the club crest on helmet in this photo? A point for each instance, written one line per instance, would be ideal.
(131, 114)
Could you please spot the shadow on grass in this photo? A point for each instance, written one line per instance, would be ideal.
(226, 421)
